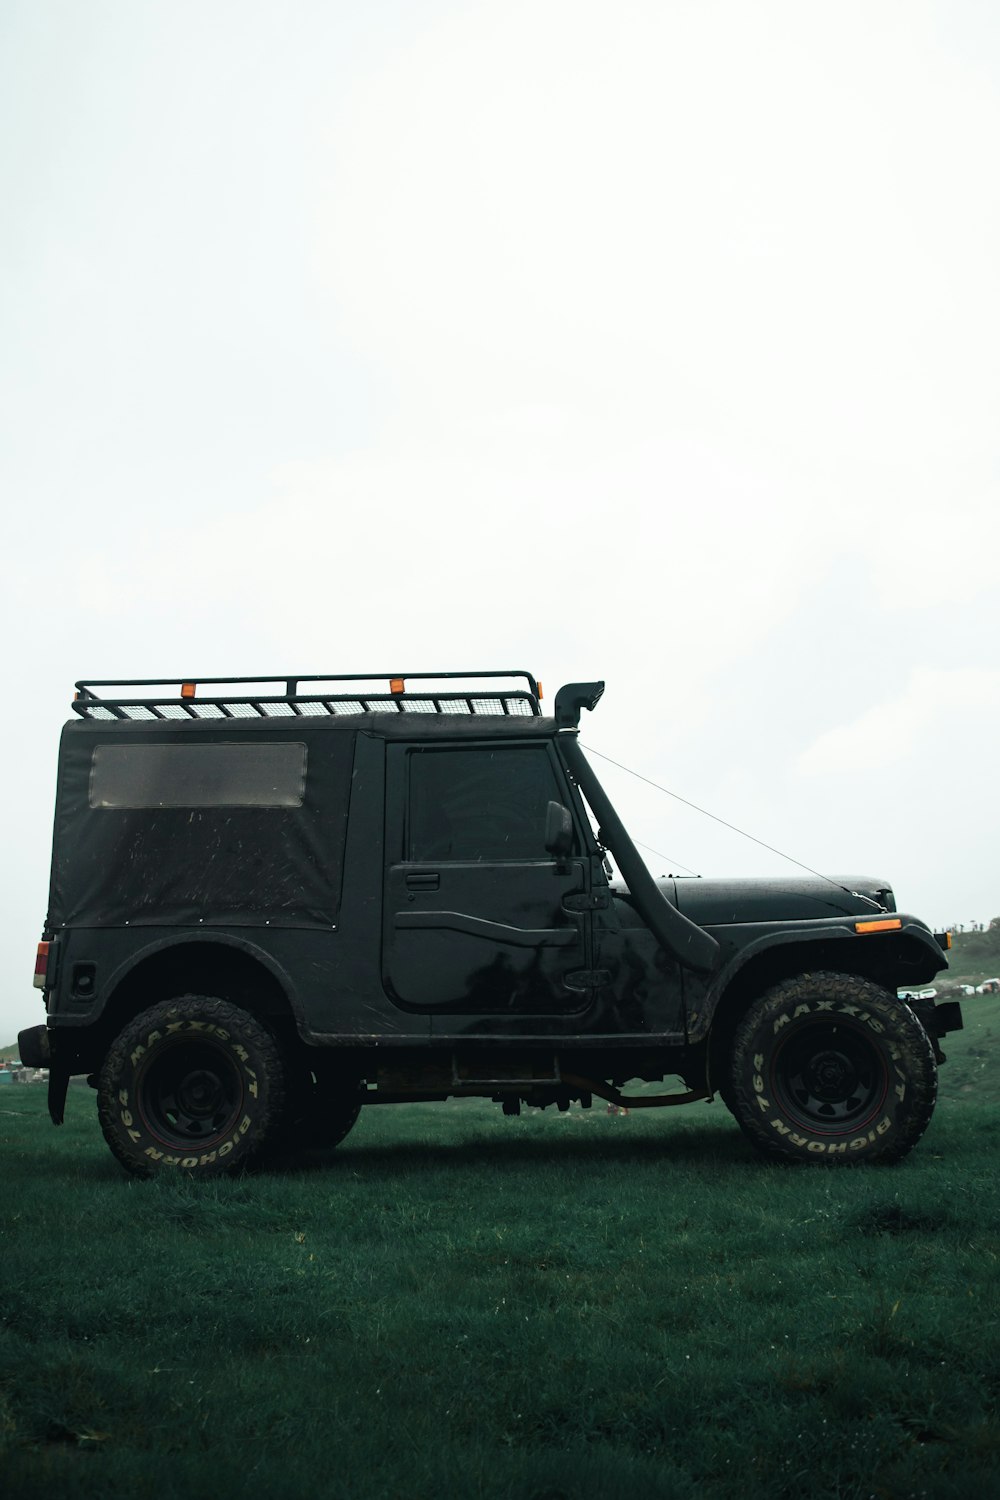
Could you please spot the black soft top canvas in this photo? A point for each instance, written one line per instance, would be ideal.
(235, 822)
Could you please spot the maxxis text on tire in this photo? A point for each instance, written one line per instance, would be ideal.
(192, 1085)
(830, 1067)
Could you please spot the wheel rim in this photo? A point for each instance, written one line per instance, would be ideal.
(830, 1078)
(190, 1094)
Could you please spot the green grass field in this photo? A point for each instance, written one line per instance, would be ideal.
(548, 1308)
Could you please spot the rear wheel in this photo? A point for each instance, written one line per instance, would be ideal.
(192, 1085)
(831, 1067)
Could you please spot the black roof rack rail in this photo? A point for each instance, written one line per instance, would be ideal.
(484, 693)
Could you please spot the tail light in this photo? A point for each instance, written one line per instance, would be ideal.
(41, 964)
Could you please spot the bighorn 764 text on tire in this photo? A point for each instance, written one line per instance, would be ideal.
(832, 1066)
(274, 903)
(194, 1084)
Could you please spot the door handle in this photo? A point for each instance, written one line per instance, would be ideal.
(423, 882)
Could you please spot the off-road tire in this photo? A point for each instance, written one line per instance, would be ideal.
(829, 1067)
(192, 1086)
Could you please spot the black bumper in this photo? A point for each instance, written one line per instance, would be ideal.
(33, 1047)
(946, 1017)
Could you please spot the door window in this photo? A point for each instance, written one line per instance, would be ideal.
(487, 804)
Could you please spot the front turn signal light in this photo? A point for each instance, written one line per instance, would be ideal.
(885, 924)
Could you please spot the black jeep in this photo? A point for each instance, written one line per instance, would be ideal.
(274, 902)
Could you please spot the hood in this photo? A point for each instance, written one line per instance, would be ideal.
(718, 902)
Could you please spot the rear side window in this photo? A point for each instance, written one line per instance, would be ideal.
(487, 804)
(216, 775)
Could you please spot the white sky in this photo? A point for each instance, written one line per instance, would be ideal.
(655, 340)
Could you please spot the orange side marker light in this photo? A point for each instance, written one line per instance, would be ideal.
(886, 924)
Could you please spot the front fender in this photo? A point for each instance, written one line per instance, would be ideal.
(757, 957)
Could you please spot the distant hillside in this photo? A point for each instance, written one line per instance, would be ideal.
(974, 956)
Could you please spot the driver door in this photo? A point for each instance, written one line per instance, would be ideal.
(479, 918)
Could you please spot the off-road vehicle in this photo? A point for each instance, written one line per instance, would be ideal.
(275, 902)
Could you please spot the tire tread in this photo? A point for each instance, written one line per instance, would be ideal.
(902, 1026)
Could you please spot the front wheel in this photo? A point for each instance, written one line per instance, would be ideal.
(192, 1085)
(831, 1067)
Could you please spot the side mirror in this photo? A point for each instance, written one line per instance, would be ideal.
(558, 829)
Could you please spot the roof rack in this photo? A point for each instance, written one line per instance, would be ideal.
(316, 697)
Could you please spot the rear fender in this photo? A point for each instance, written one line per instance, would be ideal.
(231, 967)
